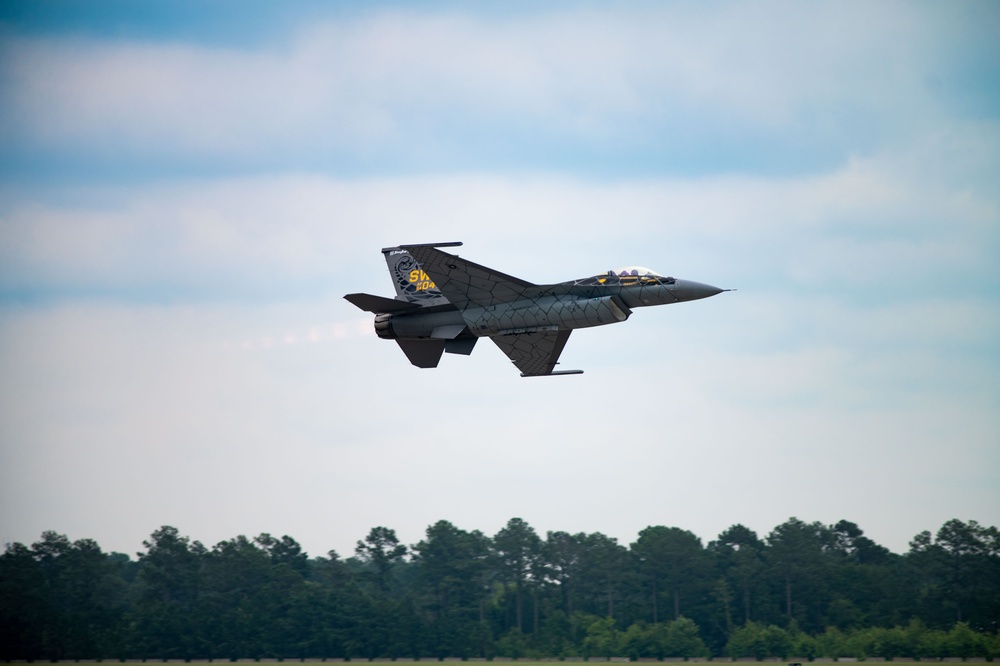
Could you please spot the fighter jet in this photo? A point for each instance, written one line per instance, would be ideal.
(445, 303)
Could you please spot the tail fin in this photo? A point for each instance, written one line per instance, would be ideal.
(412, 284)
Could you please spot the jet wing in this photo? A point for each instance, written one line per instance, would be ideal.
(465, 283)
(535, 354)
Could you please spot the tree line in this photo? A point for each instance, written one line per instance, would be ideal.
(803, 590)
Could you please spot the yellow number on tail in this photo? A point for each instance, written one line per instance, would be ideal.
(423, 280)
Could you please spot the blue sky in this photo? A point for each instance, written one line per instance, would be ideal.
(188, 189)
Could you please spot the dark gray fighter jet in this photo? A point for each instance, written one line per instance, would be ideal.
(445, 304)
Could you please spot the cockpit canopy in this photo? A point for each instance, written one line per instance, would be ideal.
(627, 276)
(637, 271)
(632, 275)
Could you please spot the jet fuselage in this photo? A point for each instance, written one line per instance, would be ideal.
(445, 303)
(564, 306)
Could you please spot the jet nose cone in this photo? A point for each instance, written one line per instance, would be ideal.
(688, 290)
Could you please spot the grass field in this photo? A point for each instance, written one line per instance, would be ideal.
(519, 662)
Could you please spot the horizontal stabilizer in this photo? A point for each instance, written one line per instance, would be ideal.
(379, 304)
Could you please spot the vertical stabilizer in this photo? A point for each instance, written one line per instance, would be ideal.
(412, 284)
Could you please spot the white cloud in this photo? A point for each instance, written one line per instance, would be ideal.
(127, 418)
(597, 76)
(211, 346)
(878, 228)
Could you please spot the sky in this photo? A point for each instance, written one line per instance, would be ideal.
(188, 189)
